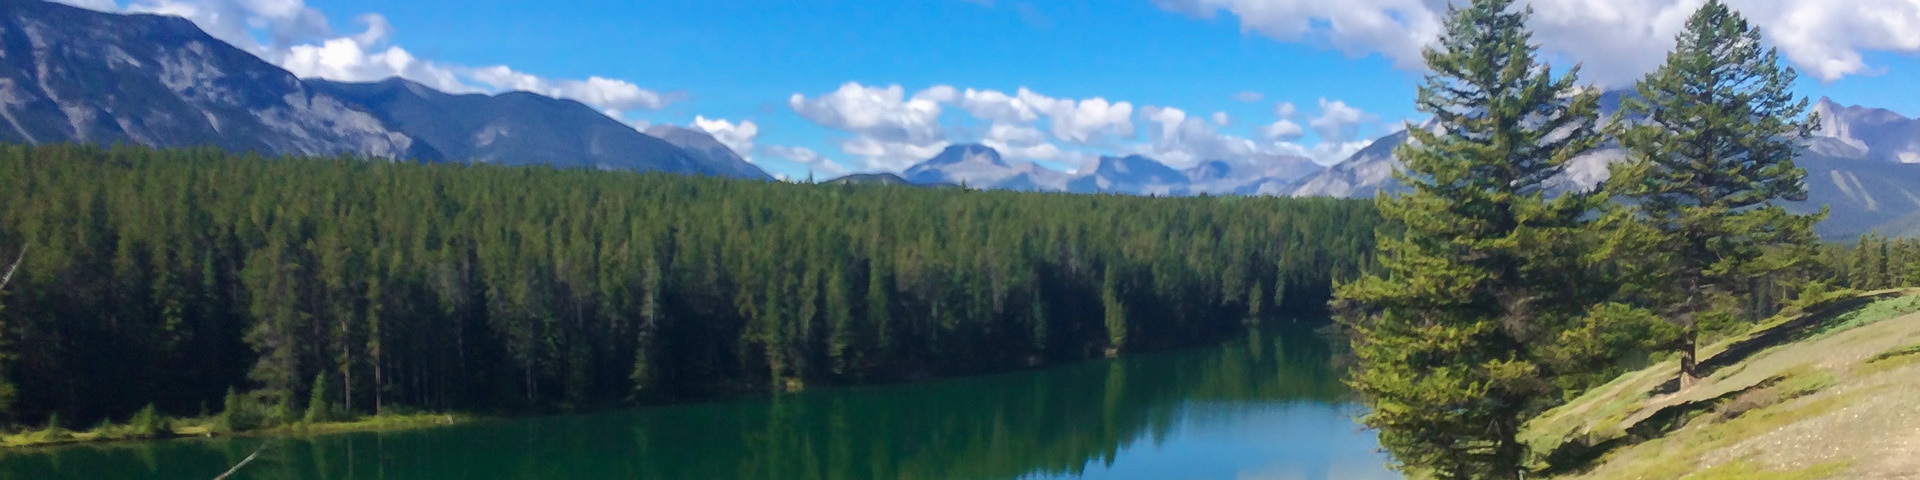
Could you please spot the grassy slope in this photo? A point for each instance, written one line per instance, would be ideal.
(1831, 395)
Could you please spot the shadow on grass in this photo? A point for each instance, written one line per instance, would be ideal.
(1578, 454)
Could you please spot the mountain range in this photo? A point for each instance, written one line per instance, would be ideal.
(74, 75)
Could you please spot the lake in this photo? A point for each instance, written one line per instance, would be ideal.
(1268, 405)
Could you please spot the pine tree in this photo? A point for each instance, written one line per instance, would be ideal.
(319, 402)
(1710, 145)
(1452, 332)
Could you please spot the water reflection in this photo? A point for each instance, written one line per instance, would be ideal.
(1267, 406)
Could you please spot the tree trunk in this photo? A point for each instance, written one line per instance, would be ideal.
(1689, 367)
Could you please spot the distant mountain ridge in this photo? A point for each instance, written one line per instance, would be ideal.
(1864, 163)
(980, 166)
(74, 75)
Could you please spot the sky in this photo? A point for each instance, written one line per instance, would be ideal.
(828, 87)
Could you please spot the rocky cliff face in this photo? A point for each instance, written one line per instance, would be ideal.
(75, 75)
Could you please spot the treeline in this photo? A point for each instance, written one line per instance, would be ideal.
(170, 277)
(1873, 262)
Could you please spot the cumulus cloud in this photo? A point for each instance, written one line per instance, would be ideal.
(890, 129)
(1396, 28)
(1617, 40)
(1222, 119)
(1285, 110)
(1181, 141)
(1249, 97)
(604, 93)
(893, 129)
(813, 161)
(1282, 130)
(890, 156)
(997, 106)
(95, 5)
(880, 113)
(296, 37)
(283, 22)
(1084, 122)
(1338, 122)
(736, 136)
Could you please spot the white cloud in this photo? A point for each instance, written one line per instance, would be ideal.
(890, 156)
(1397, 28)
(996, 106)
(95, 5)
(1285, 110)
(1084, 122)
(736, 136)
(804, 156)
(296, 37)
(1283, 130)
(1015, 134)
(282, 22)
(1617, 40)
(1338, 122)
(1222, 119)
(1249, 97)
(1182, 141)
(1023, 142)
(880, 113)
(891, 130)
(605, 93)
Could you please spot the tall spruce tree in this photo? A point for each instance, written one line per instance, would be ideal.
(1710, 144)
(1452, 333)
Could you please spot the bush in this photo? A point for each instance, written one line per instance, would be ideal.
(148, 423)
(238, 414)
(1818, 295)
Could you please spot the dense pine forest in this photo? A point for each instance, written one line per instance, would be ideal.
(174, 277)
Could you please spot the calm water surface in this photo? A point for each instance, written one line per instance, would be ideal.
(1267, 406)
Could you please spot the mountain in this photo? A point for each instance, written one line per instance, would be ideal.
(1872, 133)
(74, 75)
(1132, 174)
(1367, 171)
(521, 128)
(872, 179)
(980, 166)
(708, 150)
(1258, 175)
(1863, 163)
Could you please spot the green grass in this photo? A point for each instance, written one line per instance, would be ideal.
(1800, 382)
(1743, 470)
(157, 427)
(1872, 313)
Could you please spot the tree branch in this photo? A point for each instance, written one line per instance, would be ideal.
(16, 267)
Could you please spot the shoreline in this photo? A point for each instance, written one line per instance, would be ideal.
(207, 427)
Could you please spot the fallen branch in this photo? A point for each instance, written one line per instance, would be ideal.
(16, 267)
(243, 462)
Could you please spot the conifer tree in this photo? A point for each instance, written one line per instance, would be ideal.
(1710, 147)
(1452, 331)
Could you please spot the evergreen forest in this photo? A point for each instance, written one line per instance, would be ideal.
(187, 278)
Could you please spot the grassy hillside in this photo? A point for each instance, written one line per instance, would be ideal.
(1832, 394)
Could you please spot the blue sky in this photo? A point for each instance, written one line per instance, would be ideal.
(1347, 68)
